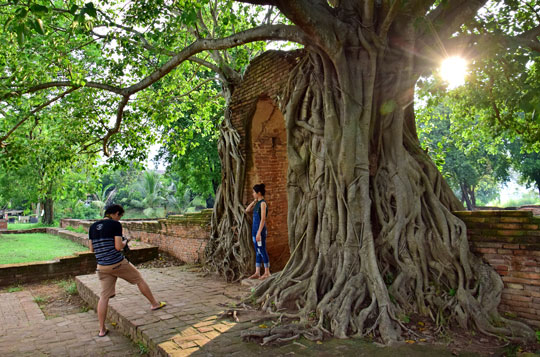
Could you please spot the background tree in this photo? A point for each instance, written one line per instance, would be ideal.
(190, 143)
(152, 193)
(527, 164)
(474, 165)
(103, 198)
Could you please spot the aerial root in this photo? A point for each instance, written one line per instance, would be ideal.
(282, 334)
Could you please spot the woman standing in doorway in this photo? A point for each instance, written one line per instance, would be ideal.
(258, 231)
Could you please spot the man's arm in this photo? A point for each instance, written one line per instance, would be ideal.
(91, 246)
(119, 244)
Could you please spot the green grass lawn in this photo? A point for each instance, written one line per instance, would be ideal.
(22, 248)
(17, 226)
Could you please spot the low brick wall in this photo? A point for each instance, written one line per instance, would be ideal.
(535, 209)
(510, 242)
(21, 231)
(76, 264)
(183, 236)
(3, 224)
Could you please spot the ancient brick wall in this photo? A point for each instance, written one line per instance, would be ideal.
(535, 209)
(183, 236)
(260, 123)
(510, 242)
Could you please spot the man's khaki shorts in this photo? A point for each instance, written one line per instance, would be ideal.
(108, 274)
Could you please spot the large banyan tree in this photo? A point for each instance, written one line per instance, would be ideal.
(371, 230)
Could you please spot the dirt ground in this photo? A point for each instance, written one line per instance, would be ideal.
(60, 298)
(459, 341)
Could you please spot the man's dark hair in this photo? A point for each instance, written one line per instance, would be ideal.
(112, 209)
(259, 188)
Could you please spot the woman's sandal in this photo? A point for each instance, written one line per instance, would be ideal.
(161, 304)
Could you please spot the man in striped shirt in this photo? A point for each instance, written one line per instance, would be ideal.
(107, 244)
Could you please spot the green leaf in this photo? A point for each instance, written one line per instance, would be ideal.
(73, 9)
(38, 25)
(39, 9)
(20, 35)
(90, 9)
(21, 13)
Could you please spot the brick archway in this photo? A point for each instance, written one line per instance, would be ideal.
(267, 163)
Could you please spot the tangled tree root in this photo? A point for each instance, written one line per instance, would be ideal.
(281, 334)
(371, 229)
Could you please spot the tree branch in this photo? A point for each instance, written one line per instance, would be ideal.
(226, 73)
(469, 43)
(258, 2)
(116, 129)
(40, 107)
(449, 16)
(43, 86)
(389, 18)
(261, 33)
(531, 34)
(316, 19)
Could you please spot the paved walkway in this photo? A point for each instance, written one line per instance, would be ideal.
(189, 324)
(24, 331)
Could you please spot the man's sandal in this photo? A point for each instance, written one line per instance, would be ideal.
(105, 334)
(161, 304)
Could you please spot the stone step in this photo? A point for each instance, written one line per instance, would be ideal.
(188, 322)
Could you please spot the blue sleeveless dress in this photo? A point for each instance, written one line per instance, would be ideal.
(261, 255)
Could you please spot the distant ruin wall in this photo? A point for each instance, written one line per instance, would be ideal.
(510, 242)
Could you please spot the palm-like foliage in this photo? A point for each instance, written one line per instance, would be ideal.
(152, 190)
(104, 198)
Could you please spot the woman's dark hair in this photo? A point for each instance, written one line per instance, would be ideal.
(259, 188)
(112, 209)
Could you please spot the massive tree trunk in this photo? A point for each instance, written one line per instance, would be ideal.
(371, 229)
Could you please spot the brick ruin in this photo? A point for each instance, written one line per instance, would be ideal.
(261, 125)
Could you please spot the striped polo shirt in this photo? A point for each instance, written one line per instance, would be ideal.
(102, 234)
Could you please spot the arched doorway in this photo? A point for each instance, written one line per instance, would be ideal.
(267, 163)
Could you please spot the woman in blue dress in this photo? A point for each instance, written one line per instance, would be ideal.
(258, 231)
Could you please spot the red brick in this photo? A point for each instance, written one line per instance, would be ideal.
(509, 279)
(513, 297)
(532, 276)
(517, 291)
(531, 316)
(511, 246)
(513, 305)
(486, 250)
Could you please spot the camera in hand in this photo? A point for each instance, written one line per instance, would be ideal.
(126, 249)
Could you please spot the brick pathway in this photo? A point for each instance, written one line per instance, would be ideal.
(188, 325)
(24, 331)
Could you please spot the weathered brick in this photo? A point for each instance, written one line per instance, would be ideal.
(513, 297)
(511, 246)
